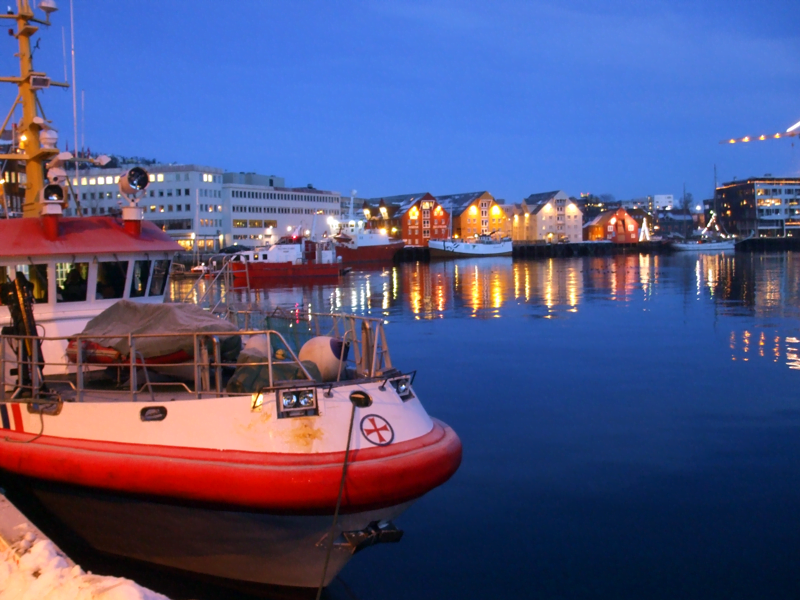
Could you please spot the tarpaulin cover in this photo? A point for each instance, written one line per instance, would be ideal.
(126, 317)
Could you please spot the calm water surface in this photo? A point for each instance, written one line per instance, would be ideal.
(630, 425)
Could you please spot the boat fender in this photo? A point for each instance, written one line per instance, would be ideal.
(257, 344)
(328, 353)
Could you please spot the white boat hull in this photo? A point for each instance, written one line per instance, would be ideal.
(704, 247)
(468, 248)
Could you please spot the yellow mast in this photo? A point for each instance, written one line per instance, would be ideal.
(28, 144)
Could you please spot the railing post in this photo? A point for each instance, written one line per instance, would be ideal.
(217, 364)
(34, 367)
(197, 373)
(206, 370)
(132, 348)
(269, 357)
(79, 373)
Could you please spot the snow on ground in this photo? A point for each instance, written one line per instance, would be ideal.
(37, 570)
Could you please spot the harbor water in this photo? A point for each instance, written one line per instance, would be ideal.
(629, 423)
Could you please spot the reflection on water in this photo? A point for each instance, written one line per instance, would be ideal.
(740, 284)
(733, 285)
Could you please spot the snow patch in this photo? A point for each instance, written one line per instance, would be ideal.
(37, 570)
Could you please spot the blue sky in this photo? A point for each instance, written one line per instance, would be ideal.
(515, 97)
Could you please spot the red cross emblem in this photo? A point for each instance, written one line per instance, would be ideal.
(377, 430)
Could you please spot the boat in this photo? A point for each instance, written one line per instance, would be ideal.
(265, 447)
(482, 245)
(293, 256)
(263, 469)
(704, 246)
(357, 242)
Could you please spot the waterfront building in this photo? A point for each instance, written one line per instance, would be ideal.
(475, 213)
(547, 216)
(414, 218)
(759, 206)
(616, 226)
(257, 212)
(660, 202)
(204, 209)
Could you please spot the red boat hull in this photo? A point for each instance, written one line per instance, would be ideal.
(265, 270)
(234, 480)
(379, 253)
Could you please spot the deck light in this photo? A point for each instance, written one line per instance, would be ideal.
(297, 403)
(402, 386)
(53, 193)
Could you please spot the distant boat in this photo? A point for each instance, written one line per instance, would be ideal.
(704, 246)
(293, 256)
(483, 245)
(356, 244)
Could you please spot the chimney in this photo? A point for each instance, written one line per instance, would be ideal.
(51, 215)
(132, 217)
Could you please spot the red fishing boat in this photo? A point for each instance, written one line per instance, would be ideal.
(291, 257)
(356, 242)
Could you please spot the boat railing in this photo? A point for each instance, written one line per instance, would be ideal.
(81, 376)
(365, 335)
(223, 280)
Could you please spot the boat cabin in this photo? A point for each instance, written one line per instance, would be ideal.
(90, 264)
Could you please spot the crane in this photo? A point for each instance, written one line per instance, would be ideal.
(793, 131)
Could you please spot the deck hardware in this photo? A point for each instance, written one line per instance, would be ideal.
(402, 385)
(153, 413)
(360, 399)
(297, 403)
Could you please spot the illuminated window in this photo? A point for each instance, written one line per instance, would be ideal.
(160, 177)
(152, 177)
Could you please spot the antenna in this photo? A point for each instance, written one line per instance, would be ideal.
(83, 119)
(64, 49)
(77, 190)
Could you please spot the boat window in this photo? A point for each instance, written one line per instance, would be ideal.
(71, 281)
(141, 274)
(159, 277)
(34, 275)
(111, 279)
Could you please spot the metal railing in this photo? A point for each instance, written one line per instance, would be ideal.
(205, 370)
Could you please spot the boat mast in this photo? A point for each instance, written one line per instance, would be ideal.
(28, 143)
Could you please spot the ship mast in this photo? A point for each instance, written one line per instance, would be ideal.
(27, 144)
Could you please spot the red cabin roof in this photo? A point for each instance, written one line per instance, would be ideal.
(80, 235)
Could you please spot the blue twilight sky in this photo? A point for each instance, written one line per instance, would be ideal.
(514, 97)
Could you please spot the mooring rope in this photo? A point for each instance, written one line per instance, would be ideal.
(338, 502)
